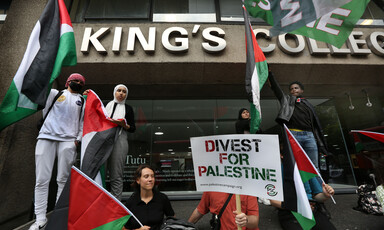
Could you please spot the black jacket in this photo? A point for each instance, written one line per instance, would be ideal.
(287, 105)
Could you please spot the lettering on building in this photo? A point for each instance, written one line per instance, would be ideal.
(177, 40)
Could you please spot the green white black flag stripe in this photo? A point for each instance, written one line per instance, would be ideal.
(50, 46)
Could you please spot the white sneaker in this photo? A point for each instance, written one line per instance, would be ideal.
(38, 225)
(264, 201)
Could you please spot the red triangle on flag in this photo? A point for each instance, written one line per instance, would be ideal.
(91, 206)
(302, 160)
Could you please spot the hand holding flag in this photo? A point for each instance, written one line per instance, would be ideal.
(306, 167)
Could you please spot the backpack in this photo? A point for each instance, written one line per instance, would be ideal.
(172, 223)
(367, 201)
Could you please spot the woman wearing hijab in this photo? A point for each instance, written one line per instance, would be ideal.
(242, 123)
(117, 111)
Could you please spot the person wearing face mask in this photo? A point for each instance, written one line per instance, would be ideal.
(118, 110)
(59, 136)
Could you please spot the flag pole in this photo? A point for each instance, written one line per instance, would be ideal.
(238, 208)
(317, 171)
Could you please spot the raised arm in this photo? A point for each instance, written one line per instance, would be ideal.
(275, 86)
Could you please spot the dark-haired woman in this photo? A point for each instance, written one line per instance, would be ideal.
(146, 203)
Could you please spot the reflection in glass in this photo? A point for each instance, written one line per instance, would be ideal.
(118, 9)
(184, 11)
(179, 120)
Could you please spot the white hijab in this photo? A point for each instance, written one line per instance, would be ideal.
(120, 107)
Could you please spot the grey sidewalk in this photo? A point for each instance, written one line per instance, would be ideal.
(343, 216)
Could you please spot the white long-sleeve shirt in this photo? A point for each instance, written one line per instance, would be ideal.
(63, 122)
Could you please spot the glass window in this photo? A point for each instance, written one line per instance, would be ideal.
(118, 9)
(4, 6)
(373, 15)
(231, 11)
(184, 11)
(164, 129)
(338, 160)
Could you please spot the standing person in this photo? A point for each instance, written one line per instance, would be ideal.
(117, 109)
(300, 117)
(242, 123)
(146, 203)
(59, 136)
(214, 201)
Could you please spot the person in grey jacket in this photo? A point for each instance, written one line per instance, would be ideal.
(300, 117)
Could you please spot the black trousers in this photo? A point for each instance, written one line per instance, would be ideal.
(288, 221)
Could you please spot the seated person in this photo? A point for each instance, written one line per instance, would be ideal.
(146, 203)
(230, 219)
(317, 194)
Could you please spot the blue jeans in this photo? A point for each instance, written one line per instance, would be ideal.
(308, 142)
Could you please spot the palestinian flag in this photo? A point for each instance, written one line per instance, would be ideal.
(99, 135)
(98, 138)
(50, 46)
(256, 73)
(92, 207)
(298, 169)
(373, 135)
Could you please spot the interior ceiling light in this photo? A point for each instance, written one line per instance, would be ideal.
(369, 104)
(159, 133)
(351, 107)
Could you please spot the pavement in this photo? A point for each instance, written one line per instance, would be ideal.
(343, 215)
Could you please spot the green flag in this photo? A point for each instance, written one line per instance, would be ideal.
(332, 26)
(335, 27)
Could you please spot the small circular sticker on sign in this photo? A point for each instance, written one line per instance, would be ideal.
(271, 190)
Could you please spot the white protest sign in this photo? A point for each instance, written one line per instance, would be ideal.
(247, 164)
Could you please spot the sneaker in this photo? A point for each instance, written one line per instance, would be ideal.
(264, 201)
(38, 225)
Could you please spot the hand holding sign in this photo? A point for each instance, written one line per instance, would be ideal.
(247, 164)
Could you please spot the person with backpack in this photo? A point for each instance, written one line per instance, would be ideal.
(59, 136)
(117, 111)
(224, 214)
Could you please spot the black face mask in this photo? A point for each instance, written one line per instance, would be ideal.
(75, 87)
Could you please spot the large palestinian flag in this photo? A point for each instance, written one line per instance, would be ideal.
(92, 207)
(99, 135)
(298, 169)
(256, 73)
(50, 46)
